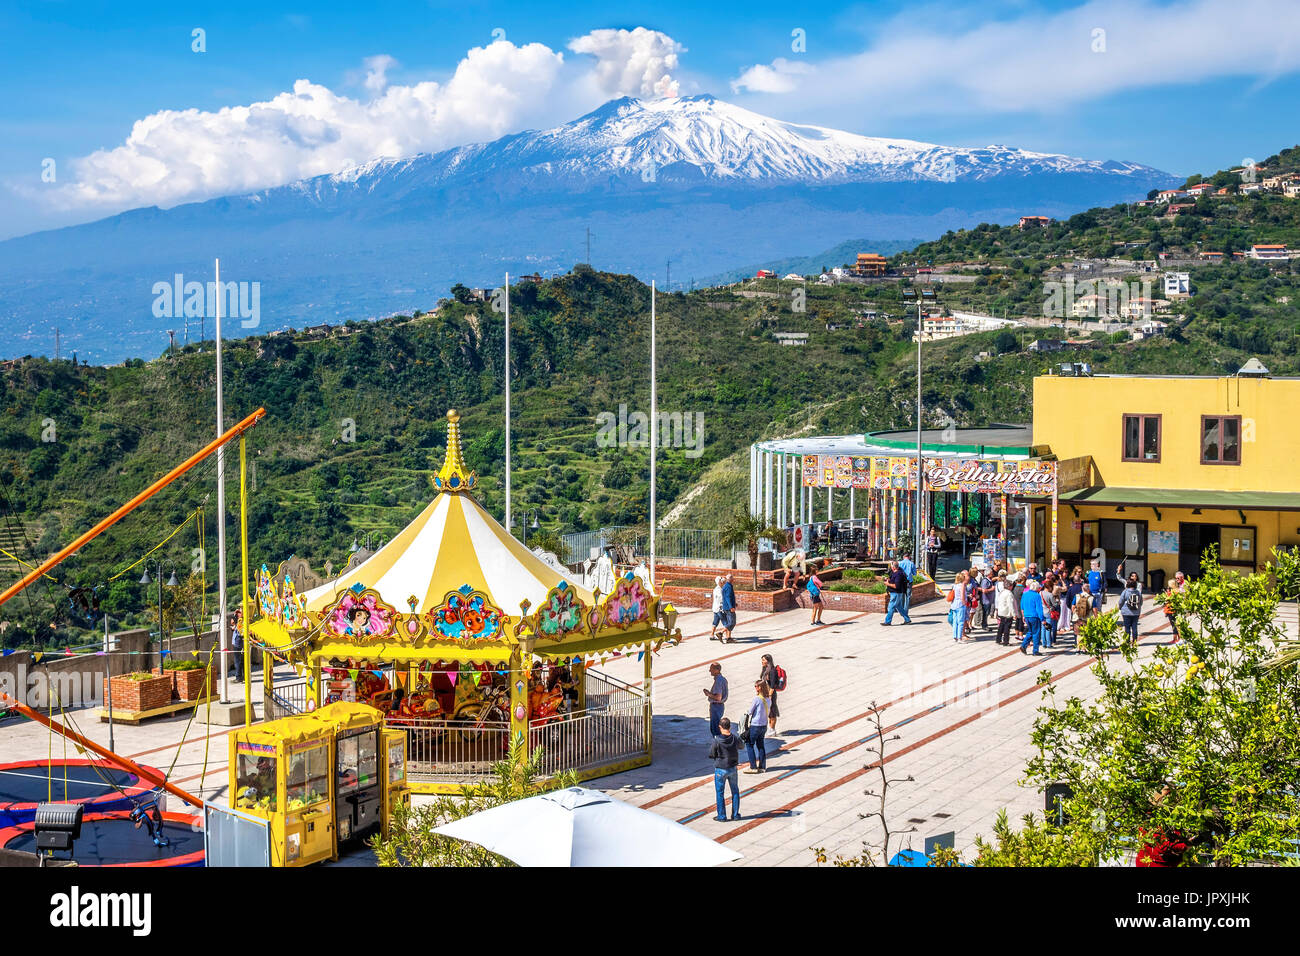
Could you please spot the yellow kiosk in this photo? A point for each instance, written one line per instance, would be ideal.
(319, 779)
(423, 629)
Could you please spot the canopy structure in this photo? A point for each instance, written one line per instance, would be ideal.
(454, 588)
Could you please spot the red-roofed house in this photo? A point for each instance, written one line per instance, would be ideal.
(1270, 251)
(1035, 222)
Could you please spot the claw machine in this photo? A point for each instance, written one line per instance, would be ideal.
(319, 779)
(280, 771)
(359, 787)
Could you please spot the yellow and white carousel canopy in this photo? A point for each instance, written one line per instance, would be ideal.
(453, 578)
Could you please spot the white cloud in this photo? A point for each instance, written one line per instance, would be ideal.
(1044, 61)
(377, 68)
(777, 78)
(175, 156)
(632, 62)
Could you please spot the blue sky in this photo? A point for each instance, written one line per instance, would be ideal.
(1185, 86)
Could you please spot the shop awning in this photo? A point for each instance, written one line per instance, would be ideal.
(1185, 498)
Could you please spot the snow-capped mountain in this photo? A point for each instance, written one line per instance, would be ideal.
(694, 139)
(696, 180)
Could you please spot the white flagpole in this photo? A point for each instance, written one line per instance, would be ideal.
(223, 637)
(654, 432)
(509, 527)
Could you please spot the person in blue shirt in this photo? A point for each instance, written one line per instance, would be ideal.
(1031, 607)
(1096, 584)
(728, 609)
(908, 567)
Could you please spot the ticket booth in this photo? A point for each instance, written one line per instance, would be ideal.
(319, 779)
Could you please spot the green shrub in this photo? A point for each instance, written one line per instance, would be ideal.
(172, 664)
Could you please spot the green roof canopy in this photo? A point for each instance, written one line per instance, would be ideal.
(1186, 498)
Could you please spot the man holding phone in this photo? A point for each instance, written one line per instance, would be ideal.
(717, 696)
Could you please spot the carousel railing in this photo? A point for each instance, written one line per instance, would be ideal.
(286, 699)
(591, 738)
(450, 751)
(608, 730)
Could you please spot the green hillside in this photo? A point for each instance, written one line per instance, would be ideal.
(357, 420)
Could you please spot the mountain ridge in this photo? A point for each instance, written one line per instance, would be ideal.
(697, 181)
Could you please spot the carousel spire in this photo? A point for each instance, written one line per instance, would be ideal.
(453, 476)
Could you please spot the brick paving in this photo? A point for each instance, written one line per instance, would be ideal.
(962, 712)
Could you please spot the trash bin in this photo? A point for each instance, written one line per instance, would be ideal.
(1156, 580)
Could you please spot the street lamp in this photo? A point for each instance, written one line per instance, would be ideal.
(146, 580)
(524, 526)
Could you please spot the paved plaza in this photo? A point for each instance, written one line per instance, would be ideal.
(963, 714)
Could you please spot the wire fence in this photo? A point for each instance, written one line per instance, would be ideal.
(670, 543)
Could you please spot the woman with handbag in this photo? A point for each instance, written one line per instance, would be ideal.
(772, 678)
(754, 728)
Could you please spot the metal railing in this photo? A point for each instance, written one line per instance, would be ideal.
(441, 751)
(593, 738)
(609, 729)
(286, 699)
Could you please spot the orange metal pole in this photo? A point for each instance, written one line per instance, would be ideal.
(107, 754)
(134, 503)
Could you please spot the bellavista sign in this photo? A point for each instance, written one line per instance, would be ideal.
(1026, 479)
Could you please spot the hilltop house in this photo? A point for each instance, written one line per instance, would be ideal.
(1200, 189)
(1178, 283)
(1035, 222)
(870, 264)
(1269, 252)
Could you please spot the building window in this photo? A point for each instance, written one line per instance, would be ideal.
(1141, 437)
(1220, 439)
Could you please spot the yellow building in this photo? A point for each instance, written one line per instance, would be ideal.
(1155, 469)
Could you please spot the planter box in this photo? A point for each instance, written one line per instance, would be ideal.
(188, 685)
(139, 695)
(857, 601)
(763, 601)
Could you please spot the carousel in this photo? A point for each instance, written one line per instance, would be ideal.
(471, 643)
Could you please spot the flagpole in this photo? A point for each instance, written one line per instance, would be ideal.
(223, 637)
(509, 526)
(654, 431)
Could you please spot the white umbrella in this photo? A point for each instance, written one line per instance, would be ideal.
(581, 827)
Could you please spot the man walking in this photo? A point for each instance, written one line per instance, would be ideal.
(717, 696)
(1031, 608)
(896, 587)
(728, 609)
(908, 567)
(724, 752)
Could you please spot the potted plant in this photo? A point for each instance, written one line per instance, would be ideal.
(140, 691)
(189, 679)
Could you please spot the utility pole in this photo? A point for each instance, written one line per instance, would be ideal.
(56, 345)
(589, 245)
(920, 475)
(668, 276)
(171, 336)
